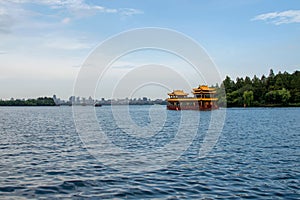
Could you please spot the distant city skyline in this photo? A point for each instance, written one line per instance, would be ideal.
(44, 43)
(76, 100)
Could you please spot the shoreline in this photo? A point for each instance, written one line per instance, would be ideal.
(265, 106)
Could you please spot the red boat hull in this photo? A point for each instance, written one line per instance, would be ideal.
(185, 107)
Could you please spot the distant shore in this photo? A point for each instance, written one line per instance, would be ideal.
(274, 90)
(41, 101)
(49, 101)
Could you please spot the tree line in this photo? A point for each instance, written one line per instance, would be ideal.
(282, 89)
(41, 101)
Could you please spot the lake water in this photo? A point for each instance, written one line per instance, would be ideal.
(257, 155)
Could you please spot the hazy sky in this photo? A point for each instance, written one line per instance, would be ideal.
(44, 42)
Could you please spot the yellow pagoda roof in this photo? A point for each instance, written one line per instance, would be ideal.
(203, 87)
(178, 93)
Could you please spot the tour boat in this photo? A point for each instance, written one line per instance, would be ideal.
(204, 99)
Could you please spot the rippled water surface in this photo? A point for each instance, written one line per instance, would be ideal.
(257, 156)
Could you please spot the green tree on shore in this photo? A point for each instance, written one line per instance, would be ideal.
(282, 89)
(41, 101)
(248, 98)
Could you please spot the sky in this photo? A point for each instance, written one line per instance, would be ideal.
(44, 43)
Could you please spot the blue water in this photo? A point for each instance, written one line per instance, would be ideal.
(257, 156)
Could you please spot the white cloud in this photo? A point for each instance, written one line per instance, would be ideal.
(64, 43)
(277, 18)
(38, 47)
(129, 11)
(6, 20)
(13, 13)
(66, 20)
(76, 6)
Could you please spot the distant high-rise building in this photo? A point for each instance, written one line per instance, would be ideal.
(72, 99)
(90, 101)
(55, 99)
(77, 100)
(83, 100)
